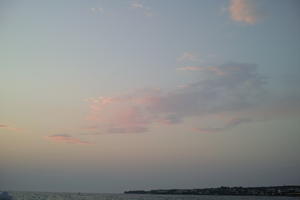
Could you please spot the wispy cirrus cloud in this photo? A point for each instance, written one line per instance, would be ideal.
(244, 11)
(65, 138)
(232, 87)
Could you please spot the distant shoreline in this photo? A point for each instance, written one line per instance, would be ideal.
(290, 190)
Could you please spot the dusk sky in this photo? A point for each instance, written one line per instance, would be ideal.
(114, 95)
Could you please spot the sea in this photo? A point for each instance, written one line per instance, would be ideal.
(89, 196)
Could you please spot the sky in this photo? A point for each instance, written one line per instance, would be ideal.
(107, 96)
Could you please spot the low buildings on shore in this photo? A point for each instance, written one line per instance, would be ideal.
(243, 191)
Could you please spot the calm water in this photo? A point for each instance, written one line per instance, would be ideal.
(73, 196)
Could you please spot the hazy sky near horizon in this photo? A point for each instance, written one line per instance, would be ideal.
(107, 96)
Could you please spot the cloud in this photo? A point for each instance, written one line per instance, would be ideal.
(140, 6)
(67, 139)
(137, 4)
(188, 56)
(128, 129)
(277, 108)
(170, 119)
(214, 69)
(228, 126)
(243, 11)
(99, 9)
(231, 87)
(10, 128)
(241, 87)
(190, 68)
(124, 113)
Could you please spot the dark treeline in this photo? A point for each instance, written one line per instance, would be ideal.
(254, 191)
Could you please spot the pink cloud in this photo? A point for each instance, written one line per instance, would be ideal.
(223, 89)
(67, 139)
(138, 110)
(243, 11)
(124, 113)
(214, 69)
(10, 128)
